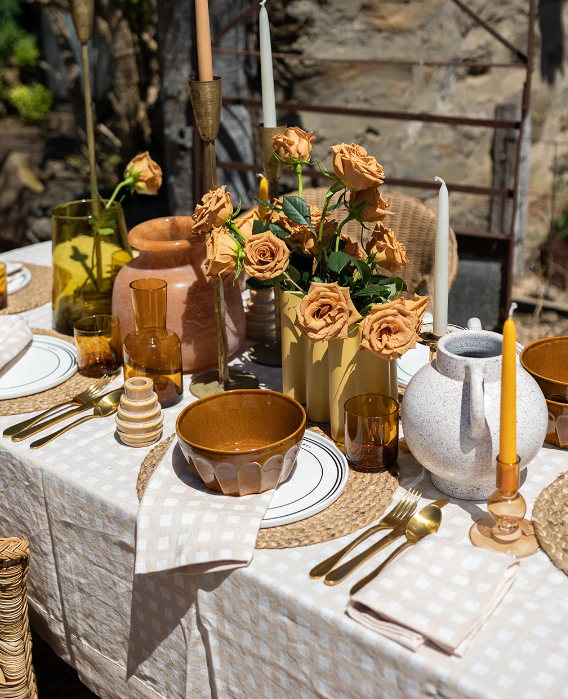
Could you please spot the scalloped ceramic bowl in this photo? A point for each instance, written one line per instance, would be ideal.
(242, 442)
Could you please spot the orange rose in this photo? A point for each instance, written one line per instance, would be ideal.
(293, 145)
(391, 329)
(353, 248)
(222, 250)
(326, 312)
(354, 168)
(266, 256)
(147, 172)
(389, 253)
(245, 222)
(213, 212)
(302, 238)
(376, 208)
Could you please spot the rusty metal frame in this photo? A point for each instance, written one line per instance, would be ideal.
(501, 242)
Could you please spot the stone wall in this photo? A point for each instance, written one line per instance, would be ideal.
(427, 30)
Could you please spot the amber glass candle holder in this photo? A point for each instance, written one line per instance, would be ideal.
(371, 431)
(3, 286)
(98, 345)
(152, 350)
(506, 529)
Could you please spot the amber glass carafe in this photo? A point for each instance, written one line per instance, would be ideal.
(152, 350)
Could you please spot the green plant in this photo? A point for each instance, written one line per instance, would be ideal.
(32, 101)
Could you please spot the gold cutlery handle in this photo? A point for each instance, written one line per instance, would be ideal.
(324, 567)
(14, 429)
(383, 565)
(339, 574)
(45, 440)
(38, 427)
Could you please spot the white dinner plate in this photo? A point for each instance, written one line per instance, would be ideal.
(45, 363)
(318, 479)
(416, 358)
(18, 280)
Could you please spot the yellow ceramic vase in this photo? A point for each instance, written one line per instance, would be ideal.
(352, 373)
(294, 349)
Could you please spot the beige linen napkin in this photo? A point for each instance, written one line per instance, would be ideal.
(443, 598)
(15, 335)
(181, 523)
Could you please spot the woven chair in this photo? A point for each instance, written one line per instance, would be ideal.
(415, 225)
(17, 677)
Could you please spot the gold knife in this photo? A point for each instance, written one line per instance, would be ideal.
(340, 573)
(38, 427)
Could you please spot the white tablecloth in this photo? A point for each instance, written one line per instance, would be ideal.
(266, 631)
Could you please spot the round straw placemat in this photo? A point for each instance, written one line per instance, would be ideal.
(365, 498)
(550, 519)
(36, 293)
(47, 399)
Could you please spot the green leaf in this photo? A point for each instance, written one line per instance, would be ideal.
(259, 227)
(297, 210)
(259, 285)
(278, 231)
(363, 269)
(293, 273)
(383, 290)
(105, 231)
(337, 261)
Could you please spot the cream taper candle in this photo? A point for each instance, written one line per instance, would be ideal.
(266, 72)
(441, 265)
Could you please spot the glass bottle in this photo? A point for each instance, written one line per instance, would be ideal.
(152, 350)
(89, 248)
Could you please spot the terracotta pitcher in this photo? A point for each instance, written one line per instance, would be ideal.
(451, 413)
(168, 252)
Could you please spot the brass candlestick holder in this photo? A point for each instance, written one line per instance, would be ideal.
(427, 337)
(206, 100)
(506, 529)
(269, 353)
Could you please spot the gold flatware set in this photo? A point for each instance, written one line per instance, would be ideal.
(103, 405)
(403, 521)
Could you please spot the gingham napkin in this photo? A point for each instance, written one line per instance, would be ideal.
(181, 523)
(445, 601)
(15, 335)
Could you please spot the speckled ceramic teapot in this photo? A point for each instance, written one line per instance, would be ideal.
(451, 413)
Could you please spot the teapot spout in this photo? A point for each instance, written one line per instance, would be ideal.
(474, 324)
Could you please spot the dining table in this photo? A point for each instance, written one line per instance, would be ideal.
(263, 631)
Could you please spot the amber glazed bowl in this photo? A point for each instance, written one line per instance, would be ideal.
(547, 362)
(242, 442)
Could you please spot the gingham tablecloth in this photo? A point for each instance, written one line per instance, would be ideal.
(265, 631)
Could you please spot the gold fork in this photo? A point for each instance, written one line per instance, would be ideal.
(87, 398)
(402, 511)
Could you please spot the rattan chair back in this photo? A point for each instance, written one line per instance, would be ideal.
(17, 677)
(415, 225)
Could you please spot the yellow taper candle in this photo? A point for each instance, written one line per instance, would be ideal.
(508, 433)
(263, 195)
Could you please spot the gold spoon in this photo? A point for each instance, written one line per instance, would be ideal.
(425, 522)
(107, 405)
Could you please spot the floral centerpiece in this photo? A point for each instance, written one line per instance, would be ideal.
(303, 250)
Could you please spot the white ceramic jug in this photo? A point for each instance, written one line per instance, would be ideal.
(451, 413)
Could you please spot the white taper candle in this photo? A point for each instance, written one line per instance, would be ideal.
(266, 72)
(441, 265)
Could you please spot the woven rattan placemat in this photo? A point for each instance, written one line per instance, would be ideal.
(36, 293)
(550, 519)
(47, 399)
(365, 498)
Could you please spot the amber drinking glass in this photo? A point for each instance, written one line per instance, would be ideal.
(3, 286)
(152, 350)
(371, 431)
(98, 345)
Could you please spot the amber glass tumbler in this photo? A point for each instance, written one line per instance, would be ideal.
(152, 350)
(98, 343)
(3, 286)
(371, 431)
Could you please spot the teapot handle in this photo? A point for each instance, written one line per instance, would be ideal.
(476, 401)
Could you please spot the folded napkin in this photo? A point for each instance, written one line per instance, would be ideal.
(444, 598)
(15, 335)
(181, 523)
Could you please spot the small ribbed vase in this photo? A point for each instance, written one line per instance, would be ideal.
(140, 419)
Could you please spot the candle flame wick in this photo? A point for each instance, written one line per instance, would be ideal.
(512, 309)
(439, 179)
(259, 175)
(263, 3)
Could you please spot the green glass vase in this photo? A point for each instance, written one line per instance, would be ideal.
(89, 249)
